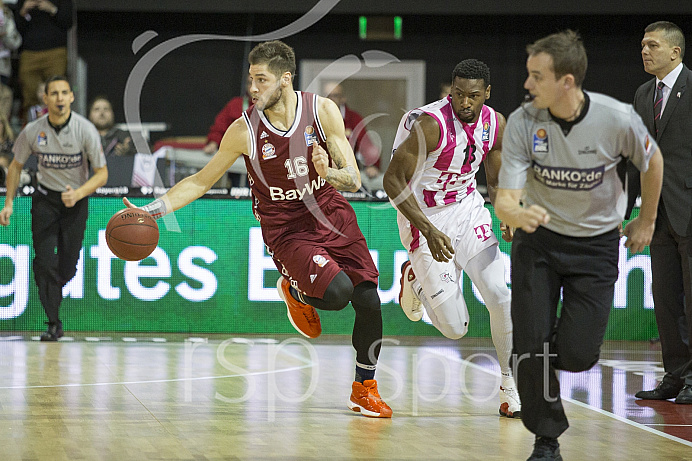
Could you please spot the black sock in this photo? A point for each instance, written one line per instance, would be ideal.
(363, 374)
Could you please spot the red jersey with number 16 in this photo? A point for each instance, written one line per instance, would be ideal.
(285, 185)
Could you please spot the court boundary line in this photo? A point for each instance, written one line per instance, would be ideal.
(578, 403)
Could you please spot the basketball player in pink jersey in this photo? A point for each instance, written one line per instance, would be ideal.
(443, 222)
(297, 157)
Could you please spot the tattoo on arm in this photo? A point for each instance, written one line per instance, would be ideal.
(344, 176)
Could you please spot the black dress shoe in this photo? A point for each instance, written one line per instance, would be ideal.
(685, 395)
(663, 391)
(53, 332)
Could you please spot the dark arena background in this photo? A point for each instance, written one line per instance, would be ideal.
(188, 354)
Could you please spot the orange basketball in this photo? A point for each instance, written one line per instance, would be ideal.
(132, 234)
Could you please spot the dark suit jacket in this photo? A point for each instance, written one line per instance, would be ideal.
(675, 141)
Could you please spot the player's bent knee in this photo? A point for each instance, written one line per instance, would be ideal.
(497, 296)
(339, 292)
(454, 331)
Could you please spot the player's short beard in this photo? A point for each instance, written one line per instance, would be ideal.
(271, 100)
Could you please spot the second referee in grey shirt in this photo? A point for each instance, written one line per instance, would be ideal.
(563, 159)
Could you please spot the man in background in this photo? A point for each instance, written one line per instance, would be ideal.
(665, 105)
(232, 111)
(114, 140)
(43, 25)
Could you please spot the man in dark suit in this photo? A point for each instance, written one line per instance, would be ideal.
(665, 105)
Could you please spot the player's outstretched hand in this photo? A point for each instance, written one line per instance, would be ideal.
(639, 234)
(440, 246)
(320, 159)
(507, 232)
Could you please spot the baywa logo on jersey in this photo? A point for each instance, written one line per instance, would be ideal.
(42, 139)
(540, 141)
(320, 260)
(485, 137)
(310, 136)
(268, 151)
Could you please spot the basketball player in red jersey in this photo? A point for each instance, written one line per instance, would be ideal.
(297, 157)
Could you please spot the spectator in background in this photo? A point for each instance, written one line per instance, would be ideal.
(114, 140)
(6, 141)
(367, 153)
(232, 110)
(5, 160)
(10, 39)
(43, 25)
(40, 109)
(6, 135)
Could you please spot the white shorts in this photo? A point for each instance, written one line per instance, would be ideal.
(468, 225)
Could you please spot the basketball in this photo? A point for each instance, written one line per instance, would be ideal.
(132, 234)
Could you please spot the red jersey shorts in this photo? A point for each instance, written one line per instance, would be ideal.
(311, 251)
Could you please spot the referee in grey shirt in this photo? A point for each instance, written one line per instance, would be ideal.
(563, 159)
(68, 146)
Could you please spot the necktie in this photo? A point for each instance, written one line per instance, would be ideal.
(658, 105)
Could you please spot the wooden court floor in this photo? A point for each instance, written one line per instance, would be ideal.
(178, 397)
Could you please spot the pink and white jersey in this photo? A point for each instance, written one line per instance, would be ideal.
(449, 172)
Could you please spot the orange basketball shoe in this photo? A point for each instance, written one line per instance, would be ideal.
(366, 399)
(303, 317)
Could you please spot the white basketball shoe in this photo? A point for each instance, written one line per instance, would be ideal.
(510, 405)
(408, 300)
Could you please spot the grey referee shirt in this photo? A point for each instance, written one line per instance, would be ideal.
(575, 176)
(64, 157)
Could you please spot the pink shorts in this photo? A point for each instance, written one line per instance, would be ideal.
(310, 252)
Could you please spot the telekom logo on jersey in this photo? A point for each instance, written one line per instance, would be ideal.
(483, 232)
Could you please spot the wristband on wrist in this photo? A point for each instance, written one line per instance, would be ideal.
(157, 209)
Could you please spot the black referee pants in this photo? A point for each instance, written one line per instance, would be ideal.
(543, 263)
(57, 233)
